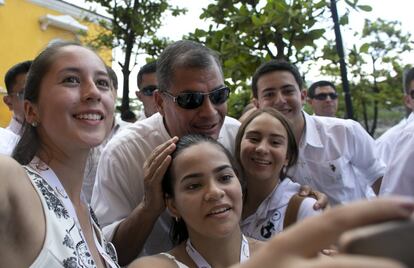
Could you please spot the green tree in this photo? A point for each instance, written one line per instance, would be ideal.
(375, 69)
(133, 28)
(248, 32)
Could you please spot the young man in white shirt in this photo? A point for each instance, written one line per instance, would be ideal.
(15, 79)
(386, 142)
(147, 84)
(399, 174)
(336, 156)
(191, 98)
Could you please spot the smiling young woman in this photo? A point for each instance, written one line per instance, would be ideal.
(68, 110)
(204, 196)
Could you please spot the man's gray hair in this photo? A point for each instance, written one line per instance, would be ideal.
(184, 54)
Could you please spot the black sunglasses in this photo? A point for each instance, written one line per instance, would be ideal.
(149, 90)
(193, 100)
(323, 96)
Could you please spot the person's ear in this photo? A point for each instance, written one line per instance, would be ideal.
(303, 95)
(408, 101)
(159, 102)
(170, 204)
(8, 102)
(31, 112)
(255, 103)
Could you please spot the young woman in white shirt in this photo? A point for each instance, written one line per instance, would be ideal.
(265, 149)
(204, 197)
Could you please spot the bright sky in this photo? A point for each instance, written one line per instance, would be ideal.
(176, 27)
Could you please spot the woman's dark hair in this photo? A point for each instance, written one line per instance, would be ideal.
(292, 147)
(30, 143)
(178, 231)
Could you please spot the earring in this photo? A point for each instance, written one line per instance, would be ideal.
(176, 219)
(34, 124)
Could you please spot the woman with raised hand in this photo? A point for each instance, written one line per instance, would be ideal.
(265, 149)
(69, 108)
(204, 197)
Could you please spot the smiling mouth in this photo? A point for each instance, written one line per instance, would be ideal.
(261, 161)
(90, 116)
(218, 211)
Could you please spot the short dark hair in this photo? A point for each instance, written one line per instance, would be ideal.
(149, 68)
(178, 230)
(187, 54)
(272, 66)
(408, 78)
(113, 77)
(292, 148)
(13, 72)
(321, 83)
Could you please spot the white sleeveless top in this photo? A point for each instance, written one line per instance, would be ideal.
(64, 245)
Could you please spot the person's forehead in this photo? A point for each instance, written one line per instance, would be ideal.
(149, 79)
(324, 89)
(277, 76)
(199, 79)
(77, 56)
(275, 80)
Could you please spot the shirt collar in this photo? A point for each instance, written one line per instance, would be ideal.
(311, 135)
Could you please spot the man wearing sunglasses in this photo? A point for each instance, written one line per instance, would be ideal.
(323, 98)
(336, 156)
(127, 198)
(191, 98)
(147, 84)
(397, 148)
(14, 80)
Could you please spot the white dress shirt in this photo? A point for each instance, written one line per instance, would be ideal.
(386, 142)
(399, 175)
(8, 141)
(119, 185)
(270, 215)
(93, 159)
(338, 158)
(15, 126)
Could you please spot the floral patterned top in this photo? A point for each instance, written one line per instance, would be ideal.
(64, 245)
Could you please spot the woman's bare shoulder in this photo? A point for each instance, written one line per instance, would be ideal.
(8, 164)
(12, 175)
(159, 261)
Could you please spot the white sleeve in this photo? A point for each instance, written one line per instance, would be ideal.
(118, 186)
(306, 209)
(364, 156)
(399, 176)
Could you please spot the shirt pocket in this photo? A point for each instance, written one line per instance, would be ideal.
(330, 177)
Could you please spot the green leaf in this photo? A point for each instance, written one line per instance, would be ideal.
(365, 8)
(364, 48)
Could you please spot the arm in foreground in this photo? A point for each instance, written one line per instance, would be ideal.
(22, 224)
(321, 198)
(299, 245)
